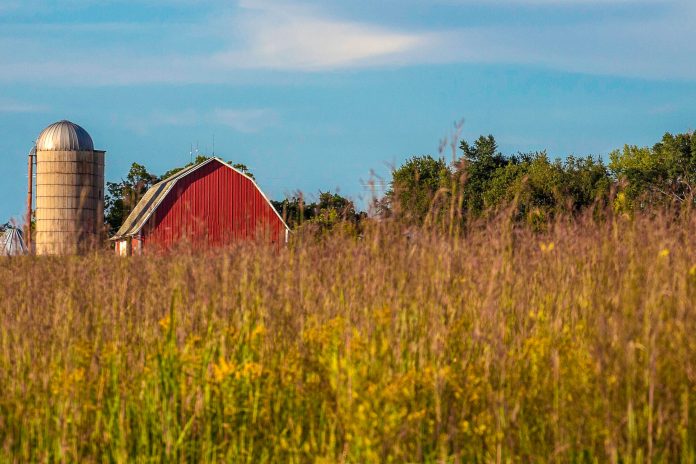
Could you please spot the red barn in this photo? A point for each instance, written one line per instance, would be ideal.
(209, 204)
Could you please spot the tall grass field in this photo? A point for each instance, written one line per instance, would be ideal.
(497, 344)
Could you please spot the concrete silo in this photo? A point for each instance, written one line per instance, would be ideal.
(69, 190)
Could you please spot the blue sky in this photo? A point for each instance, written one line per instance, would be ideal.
(317, 95)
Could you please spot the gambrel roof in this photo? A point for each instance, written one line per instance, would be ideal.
(156, 194)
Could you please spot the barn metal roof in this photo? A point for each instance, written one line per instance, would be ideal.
(64, 136)
(154, 196)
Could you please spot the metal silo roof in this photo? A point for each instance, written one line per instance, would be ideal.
(12, 242)
(64, 136)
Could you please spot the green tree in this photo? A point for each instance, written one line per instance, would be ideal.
(532, 180)
(654, 176)
(679, 152)
(331, 209)
(294, 210)
(122, 197)
(640, 172)
(243, 168)
(540, 186)
(585, 181)
(475, 171)
(543, 187)
(415, 185)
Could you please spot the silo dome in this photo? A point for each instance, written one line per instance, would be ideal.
(64, 136)
(69, 190)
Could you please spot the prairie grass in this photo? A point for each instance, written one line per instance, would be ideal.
(577, 344)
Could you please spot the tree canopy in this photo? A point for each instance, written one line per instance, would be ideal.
(480, 181)
(657, 175)
(331, 209)
(483, 180)
(415, 184)
(122, 197)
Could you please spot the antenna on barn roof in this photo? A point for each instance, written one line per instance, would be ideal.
(213, 143)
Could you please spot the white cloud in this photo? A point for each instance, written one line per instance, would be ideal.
(278, 35)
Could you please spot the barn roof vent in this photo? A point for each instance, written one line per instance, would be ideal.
(64, 136)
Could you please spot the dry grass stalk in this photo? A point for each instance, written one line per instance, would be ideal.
(575, 345)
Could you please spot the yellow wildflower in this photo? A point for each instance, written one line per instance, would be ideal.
(222, 369)
(164, 322)
(547, 247)
(663, 253)
(250, 370)
(258, 331)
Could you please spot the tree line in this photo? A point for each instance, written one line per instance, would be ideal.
(479, 181)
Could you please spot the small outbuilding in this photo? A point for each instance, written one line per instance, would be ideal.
(12, 242)
(205, 205)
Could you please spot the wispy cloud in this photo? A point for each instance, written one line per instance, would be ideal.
(259, 35)
(19, 107)
(8, 6)
(649, 47)
(244, 120)
(560, 3)
(284, 35)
